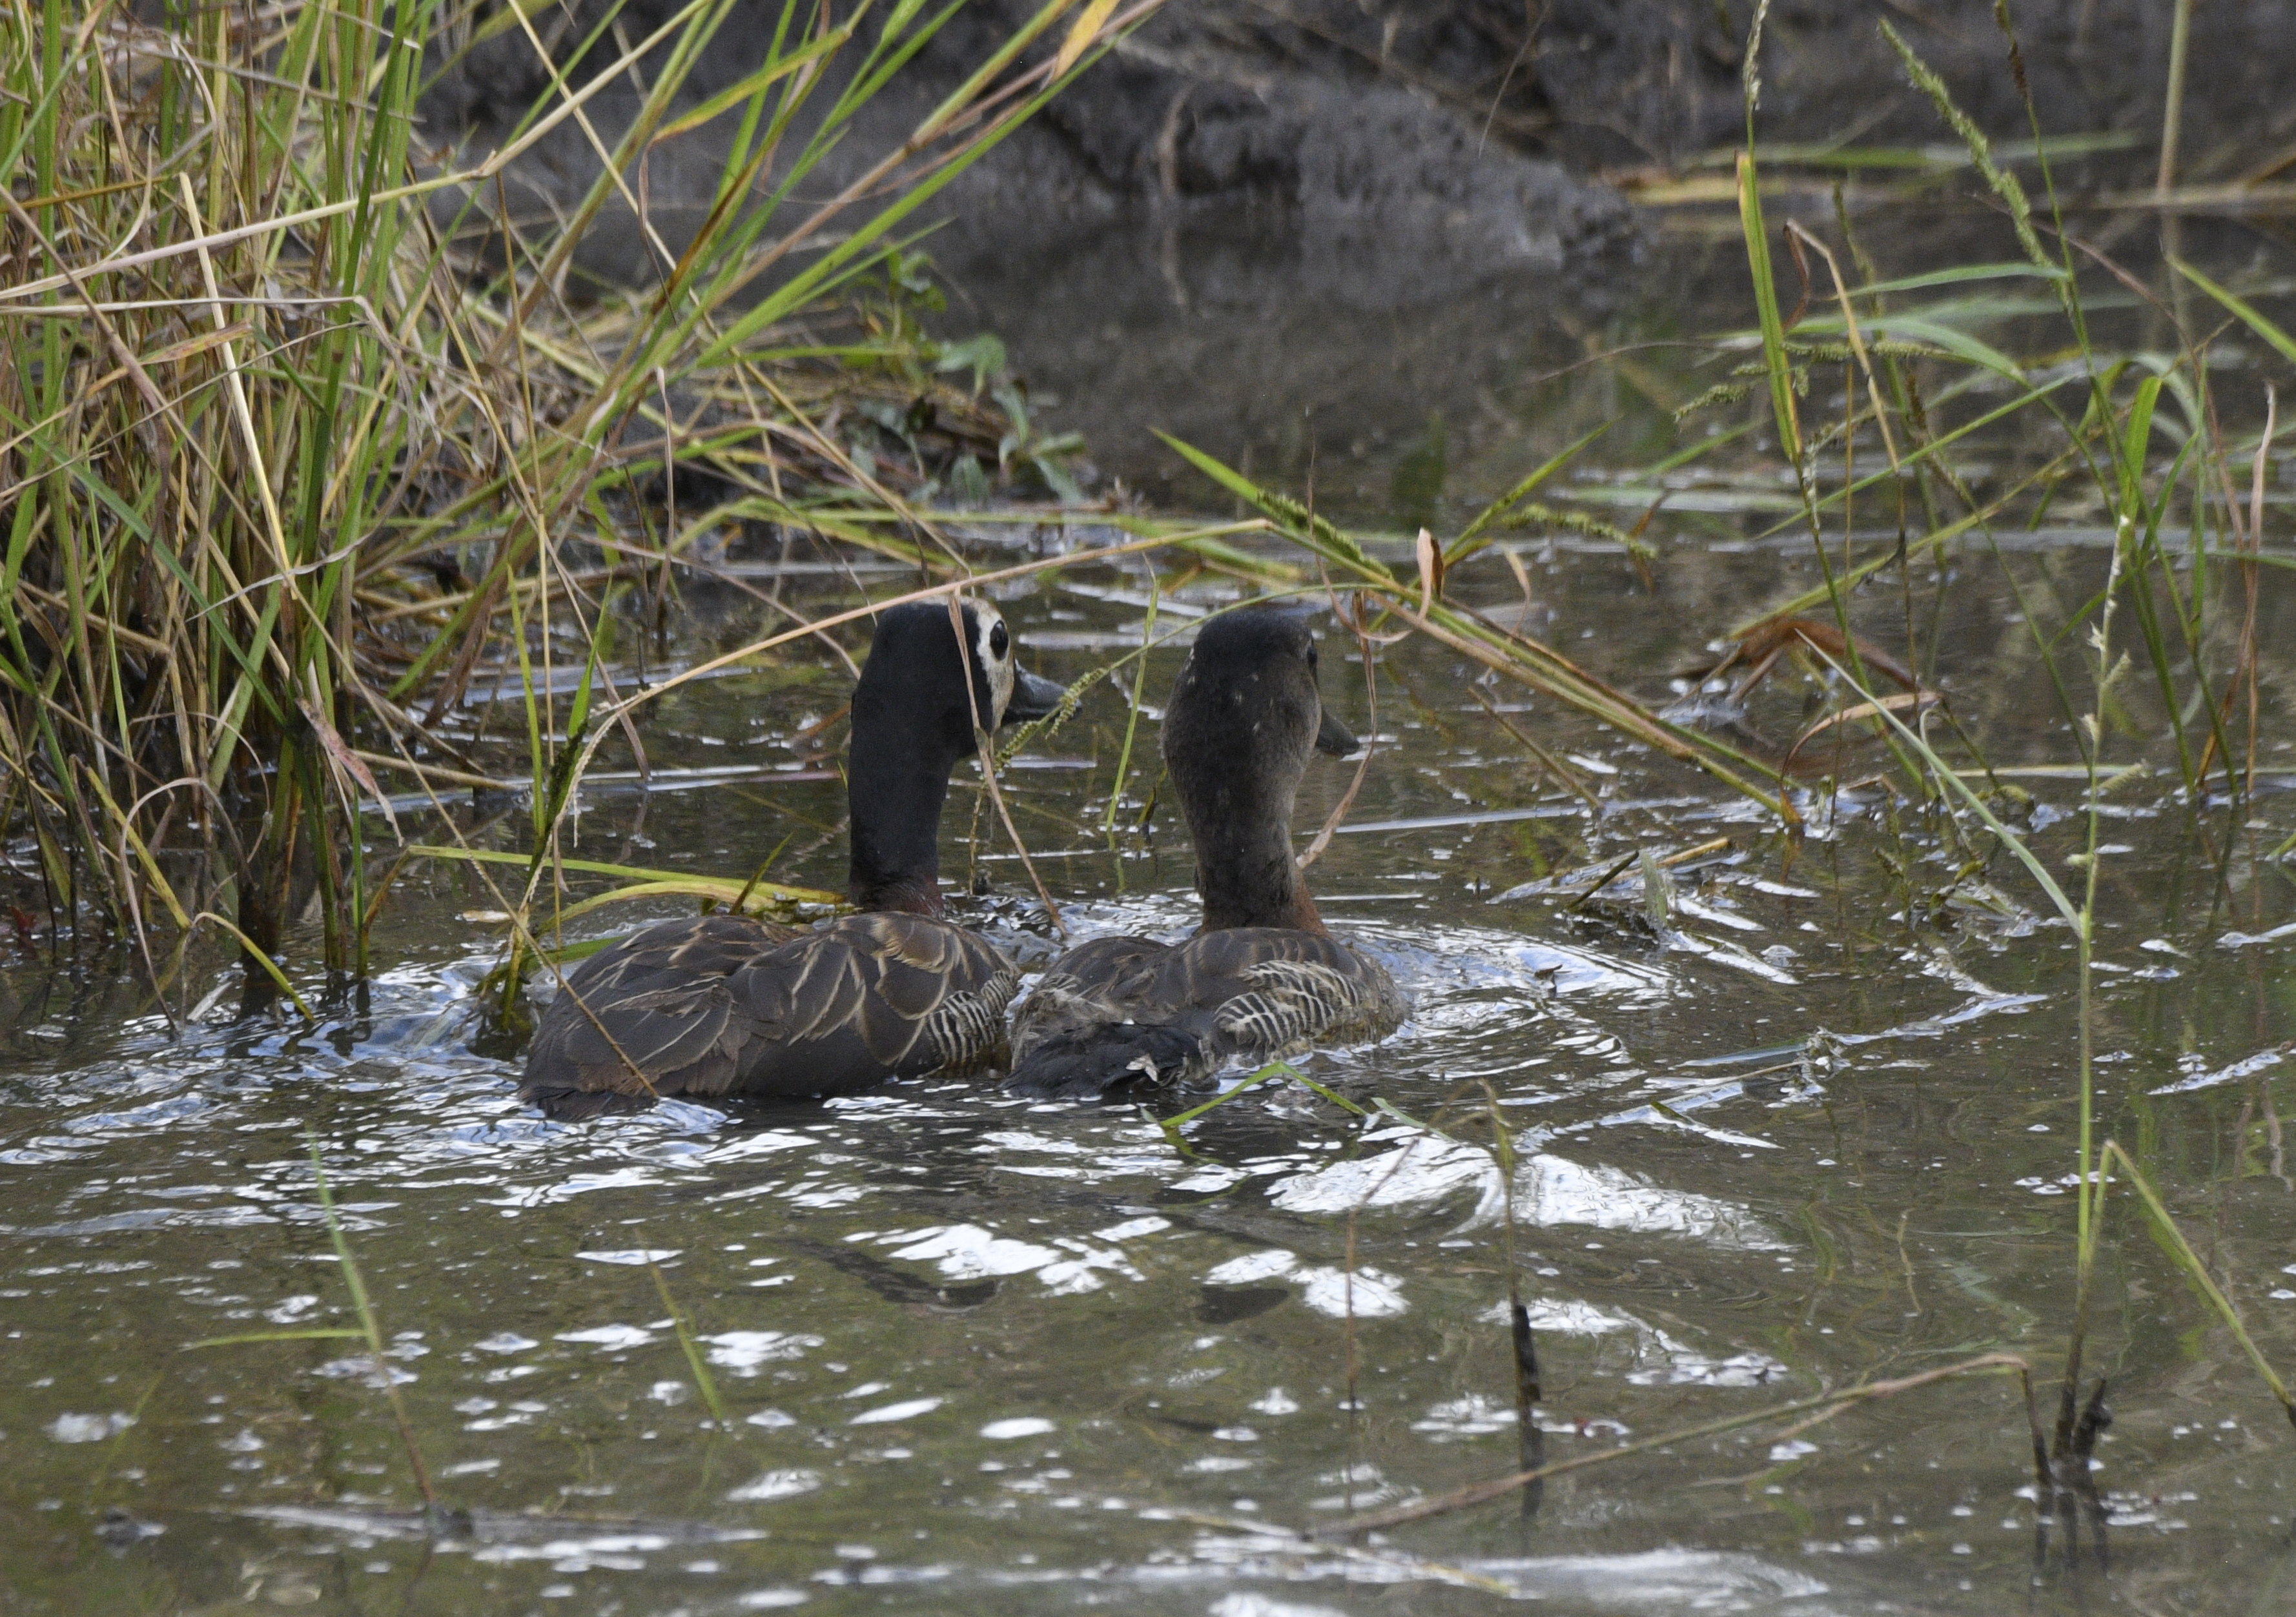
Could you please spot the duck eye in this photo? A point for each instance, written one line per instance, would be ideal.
(998, 640)
(1311, 654)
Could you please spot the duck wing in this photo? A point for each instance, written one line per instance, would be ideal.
(652, 1015)
(725, 1006)
(1092, 983)
(865, 998)
(1120, 1010)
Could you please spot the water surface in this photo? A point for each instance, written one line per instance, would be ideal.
(1810, 1125)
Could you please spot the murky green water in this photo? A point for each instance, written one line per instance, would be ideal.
(985, 1356)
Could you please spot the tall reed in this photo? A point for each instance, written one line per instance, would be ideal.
(2109, 443)
(285, 460)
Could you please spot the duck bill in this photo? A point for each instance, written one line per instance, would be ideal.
(1334, 738)
(1033, 697)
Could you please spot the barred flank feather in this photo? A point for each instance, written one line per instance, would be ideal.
(1125, 1011)
(967, 1033)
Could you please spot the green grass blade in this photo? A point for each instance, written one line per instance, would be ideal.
(1776, 367)
(1523, 490)
(1951, 778)
(2246, 312)
(321, 1334)
(1319, 534)
(2172, 1239)
(730, 886)
(370, 1328)
(700, 1366)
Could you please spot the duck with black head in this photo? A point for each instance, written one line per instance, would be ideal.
(728, 1007)
(1264, 978)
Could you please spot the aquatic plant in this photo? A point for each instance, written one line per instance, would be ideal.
(2108, 409)
(303, 432)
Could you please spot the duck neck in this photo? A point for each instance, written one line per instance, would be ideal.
(1247, 877)
(895, 785)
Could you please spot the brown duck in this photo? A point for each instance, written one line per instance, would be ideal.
(727, 1007)
(1264, 978)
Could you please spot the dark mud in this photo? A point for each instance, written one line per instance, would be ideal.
(1347, 244)
(1419, 144)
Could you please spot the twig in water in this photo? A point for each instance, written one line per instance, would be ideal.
(1530, 1442)
(1681, 856)
(1834, 1403)
(1618, 868)
(1544, 759)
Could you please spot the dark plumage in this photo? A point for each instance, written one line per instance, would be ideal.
(729, 1007)
(1264, 978)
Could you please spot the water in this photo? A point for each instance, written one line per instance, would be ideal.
(1812, 1127)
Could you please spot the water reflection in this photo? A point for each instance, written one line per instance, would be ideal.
(978, 1354)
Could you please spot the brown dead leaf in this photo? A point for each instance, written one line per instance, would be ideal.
(1431, 570)
(350, 764)
(1761, 645)
(1905, 700)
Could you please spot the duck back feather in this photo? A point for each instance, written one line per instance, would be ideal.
(727, 1007)
(722, 1004)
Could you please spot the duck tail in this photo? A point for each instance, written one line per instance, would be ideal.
(1087, 1065)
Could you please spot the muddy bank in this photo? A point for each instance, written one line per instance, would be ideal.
(1193, 119)
(1439, 137)
(1342, 236)
(1602, 85)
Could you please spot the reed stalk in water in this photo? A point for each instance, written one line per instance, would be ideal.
(300, 431)
(2111, 441)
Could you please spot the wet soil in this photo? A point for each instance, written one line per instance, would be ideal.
(1406, 138)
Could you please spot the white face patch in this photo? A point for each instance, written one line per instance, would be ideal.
(992, 645)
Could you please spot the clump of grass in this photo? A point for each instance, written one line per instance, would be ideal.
(2111, 443)
(289, 451)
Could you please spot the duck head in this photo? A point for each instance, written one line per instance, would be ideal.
(1244, 717)
(922, 690)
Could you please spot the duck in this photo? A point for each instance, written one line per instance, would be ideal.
(722, 1008)
(1263, 977)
